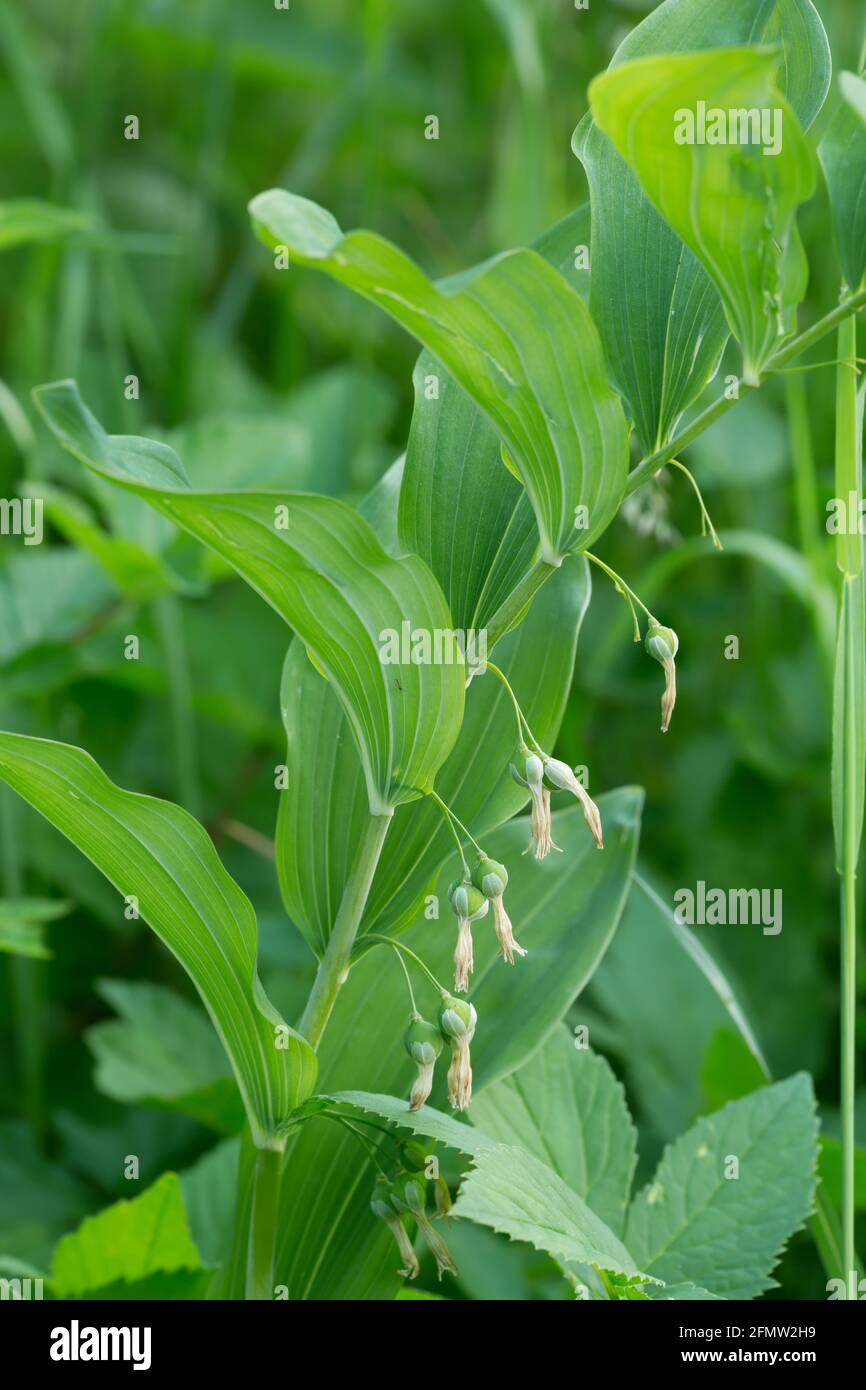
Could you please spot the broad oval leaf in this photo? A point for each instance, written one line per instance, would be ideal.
(659, 314)
(734, 203)
(842, 153)
(460, 509)
(515, 336)
(322, 813)
(318, 563)
(158, 854)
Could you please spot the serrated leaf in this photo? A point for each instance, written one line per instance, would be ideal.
(659, 314)
(565, 1106)
(163, 1051)
(128, 1241)
(329, 1244)
(546, 394)
(327, 575)
(696, 1223)
(158, 854)
(690, 1293)
(517, 1195)
(733, 204)
(427, 1122)
(842, 153)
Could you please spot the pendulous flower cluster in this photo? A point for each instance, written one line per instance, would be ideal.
(398, 1199)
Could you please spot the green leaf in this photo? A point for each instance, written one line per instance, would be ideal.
(209, 1190)
(39, 1199)
(137, 572)
(157, 853)
(321, 817)
(517, 1195)
(830, 1172)
(321, 567)
(546, 394)
(427, 1122)
(565, 1106)
(584, 887)
(691, 1293)
(128, 1241)
(734, 204)
(329, 1244)
(661, 996)
(729, 1070)
(47, 596)
(460, 509)
(162, 1051)
(658, 312)
(842, 153)
(23, 922)
(24, 221)
(696, 1222)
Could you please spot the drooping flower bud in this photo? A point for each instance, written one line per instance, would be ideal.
(409, 1194)
(457, 1020)
(542, 837)
(442, 1197)
(662, 643)
(423, 1042)
(469, 904)
(381, 1206)
(492, 878)
(561, 775)
(420, 1158)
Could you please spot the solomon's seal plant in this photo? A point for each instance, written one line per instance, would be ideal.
(417, 794)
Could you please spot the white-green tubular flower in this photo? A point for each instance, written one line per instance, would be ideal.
(561, 775)
(409, 1194)
(542, 830)
(663, 644)
(457, 1020)
(469, 904)
(423, 1042)
(492, 879)
(381, 1207)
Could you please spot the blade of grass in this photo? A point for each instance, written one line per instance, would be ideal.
(849, 745)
